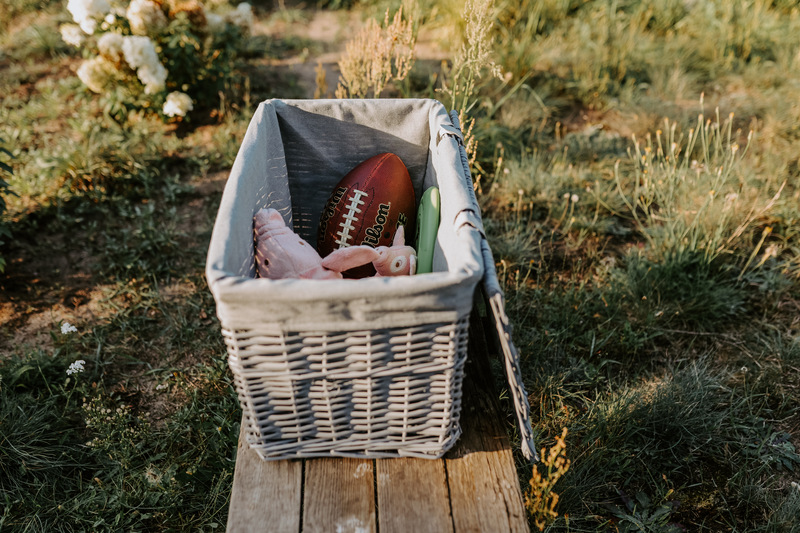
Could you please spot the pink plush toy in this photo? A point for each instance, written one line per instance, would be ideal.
(281, 253)
(394, 260)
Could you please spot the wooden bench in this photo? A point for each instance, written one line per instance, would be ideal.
(473, 488)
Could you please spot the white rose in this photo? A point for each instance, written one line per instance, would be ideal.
(110, 45)
(94, 73)
(177, 104)
(72, 34)
(153, 77)
(145, 16)
(140, 53)
(85, 12)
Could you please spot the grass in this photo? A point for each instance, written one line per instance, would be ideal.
(636, 165)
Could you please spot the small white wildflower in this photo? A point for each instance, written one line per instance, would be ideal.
(86, 12)
(76, 367)
(773, 250)
(609, 261)
(152, 475)
(71, 34)
(242, 17)
(566, 196)
(110, 19)
(110, 45)
(177, 104)
(145, 16)
(161, 386)
(94, 73)
(506, 170)
(574, 198)
(66, 328)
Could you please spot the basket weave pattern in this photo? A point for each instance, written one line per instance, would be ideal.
(373, 393)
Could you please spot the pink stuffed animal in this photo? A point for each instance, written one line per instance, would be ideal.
(281, 253)
(394, 260)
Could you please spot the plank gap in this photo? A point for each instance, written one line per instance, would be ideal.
(449, 496)
(302, 492)
(375, 492)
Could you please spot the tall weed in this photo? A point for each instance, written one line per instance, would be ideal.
(698, 194)
(378, 55)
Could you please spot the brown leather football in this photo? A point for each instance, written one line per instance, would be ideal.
(366, 207)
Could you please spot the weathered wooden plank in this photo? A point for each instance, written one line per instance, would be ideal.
(339, 495)
(265, 495)
(484, 488)
(413, 496)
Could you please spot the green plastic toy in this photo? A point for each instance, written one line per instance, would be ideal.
(427, 226)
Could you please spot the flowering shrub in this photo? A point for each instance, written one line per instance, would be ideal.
(165, 55)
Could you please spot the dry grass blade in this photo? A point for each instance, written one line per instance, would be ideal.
(377, 56)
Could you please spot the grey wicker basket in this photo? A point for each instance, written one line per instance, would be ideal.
(353, 368)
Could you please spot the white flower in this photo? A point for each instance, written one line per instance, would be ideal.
(76, 367)
(94, 73)
(86, 12)
(574, 198)
(145, 16)
(215, 23)
(242, 17)
(177, 104)
(772, 250)
(71, 34)
(140, 53)
(110, 45)
(153, 77)
(66, 327)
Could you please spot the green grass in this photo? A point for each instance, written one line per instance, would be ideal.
(650, 258)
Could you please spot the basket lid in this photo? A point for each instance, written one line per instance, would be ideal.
(496, 299)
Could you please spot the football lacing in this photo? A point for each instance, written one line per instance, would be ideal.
(350, 217)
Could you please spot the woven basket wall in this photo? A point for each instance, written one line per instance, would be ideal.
(385, 393)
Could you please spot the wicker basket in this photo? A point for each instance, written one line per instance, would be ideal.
(366, 368)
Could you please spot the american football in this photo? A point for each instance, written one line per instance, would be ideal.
(366, 207)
